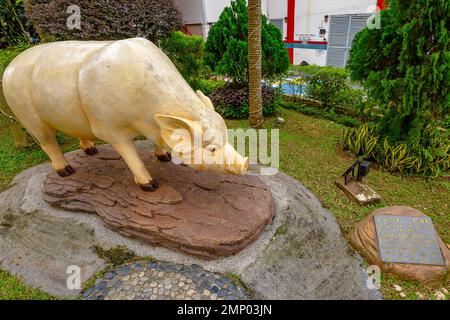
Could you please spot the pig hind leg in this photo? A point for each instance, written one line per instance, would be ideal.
(88, 147)
(46, 136)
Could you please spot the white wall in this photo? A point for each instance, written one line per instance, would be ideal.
(214, 8)
(192, 11)
(309, 18)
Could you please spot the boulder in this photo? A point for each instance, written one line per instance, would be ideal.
(301, 254)
(364, 239)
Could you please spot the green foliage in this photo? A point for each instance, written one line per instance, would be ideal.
(325, 84)
(12, 288)
(104, 19)
(207, 86)
(187, 53)
(430, 157)
(14, 27)
(333, 88)
(116, 255)
(405, 66)
(314, 111)
(227, 45)
(361, 141)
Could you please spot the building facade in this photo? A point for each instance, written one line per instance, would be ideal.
(315, 31)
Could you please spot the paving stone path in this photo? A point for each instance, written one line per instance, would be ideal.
(162, 281)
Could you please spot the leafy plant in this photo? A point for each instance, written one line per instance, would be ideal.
(105, 19)
(14, 27)
(227, 46)
(232, 103)
(405, 66)
(187, 53)
(361, 141)
(428, 158)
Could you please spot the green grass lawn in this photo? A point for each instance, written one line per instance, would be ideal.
(309, 151)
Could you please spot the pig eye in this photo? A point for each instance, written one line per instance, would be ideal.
(211, 148)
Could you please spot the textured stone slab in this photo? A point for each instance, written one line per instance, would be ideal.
(201, 213)
(406, 239)
(364, 239)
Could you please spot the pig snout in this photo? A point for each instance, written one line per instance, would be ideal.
(234, 162)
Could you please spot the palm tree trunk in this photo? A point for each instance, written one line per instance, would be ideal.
(254, 62)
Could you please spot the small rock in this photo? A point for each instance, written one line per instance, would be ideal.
(280, 120)
(206, 293)
(154, 284)
(397, 288)
(100, 286)
(443, 290)
(214, 289)
(402, 294)
(190, 292)
(180, 284)
(439, 295)
(419, 296)
(126, 278)
(213, 296)
(109, 275)
(222, 293)
(141, 274)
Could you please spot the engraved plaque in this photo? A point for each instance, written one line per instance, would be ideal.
(405, 239)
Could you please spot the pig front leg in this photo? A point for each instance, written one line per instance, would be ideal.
(128, 152)
(162, 154)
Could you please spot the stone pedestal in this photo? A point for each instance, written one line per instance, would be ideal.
(364, 239)
(200, 213)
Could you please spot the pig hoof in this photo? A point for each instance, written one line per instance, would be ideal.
(164, 157)
(152, 186)
(67, 171)
(90, 151)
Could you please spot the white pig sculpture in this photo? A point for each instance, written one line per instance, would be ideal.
(116, 91)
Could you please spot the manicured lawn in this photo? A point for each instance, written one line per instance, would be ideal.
(309, 151)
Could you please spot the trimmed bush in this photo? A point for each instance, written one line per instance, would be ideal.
(227, 46)
(187, 53)
(232, 103)
(405, 66)
(105, 19)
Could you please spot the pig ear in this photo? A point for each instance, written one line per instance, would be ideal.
(206, 101)
(177, 133)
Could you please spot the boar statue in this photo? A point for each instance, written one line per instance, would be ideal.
(116, 91)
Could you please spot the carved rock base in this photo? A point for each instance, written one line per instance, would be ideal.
(200, 213)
